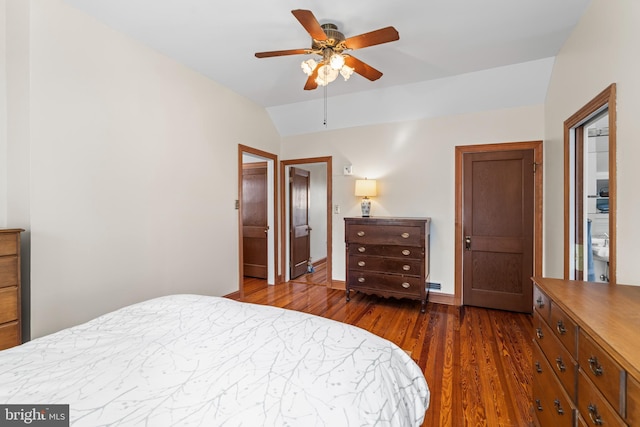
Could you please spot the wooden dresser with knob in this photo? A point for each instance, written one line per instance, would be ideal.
(388, 256)
(586, 353)
(10, 317)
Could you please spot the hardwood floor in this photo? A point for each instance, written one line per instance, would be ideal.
(477, 362)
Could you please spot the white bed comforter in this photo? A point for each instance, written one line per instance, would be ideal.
(190, 360)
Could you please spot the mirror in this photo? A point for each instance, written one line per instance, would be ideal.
(590, 178)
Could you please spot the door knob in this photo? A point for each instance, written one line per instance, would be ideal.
(467, 243)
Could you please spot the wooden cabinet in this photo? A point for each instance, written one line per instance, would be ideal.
(10, 318)
(388, 257)
(587, 335)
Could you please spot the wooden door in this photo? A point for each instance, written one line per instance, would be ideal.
(299, 231)
(498, 222)
(254, 219)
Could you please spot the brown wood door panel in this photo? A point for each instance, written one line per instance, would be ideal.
(254, 220)
(300, 239)
(498, 196)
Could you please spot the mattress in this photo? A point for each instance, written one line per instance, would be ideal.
(192, 360)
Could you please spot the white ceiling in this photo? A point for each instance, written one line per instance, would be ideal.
(438, 38)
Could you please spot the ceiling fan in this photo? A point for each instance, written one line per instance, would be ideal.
(331, 44)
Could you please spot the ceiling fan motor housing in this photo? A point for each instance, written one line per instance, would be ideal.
(334, 37)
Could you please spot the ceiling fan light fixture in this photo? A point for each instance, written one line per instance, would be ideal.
(308, 66)
(336, 61)
(346, 72)
(326, 75)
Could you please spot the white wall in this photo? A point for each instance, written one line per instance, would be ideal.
(133, 170)
(414, 164)
(601, 50)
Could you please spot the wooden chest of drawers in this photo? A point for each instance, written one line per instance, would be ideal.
(388, 257)
(586, 356)
(10, 319)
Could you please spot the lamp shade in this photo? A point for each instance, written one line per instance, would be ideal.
(366, 187)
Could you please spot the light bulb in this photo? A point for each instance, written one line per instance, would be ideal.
(326, 75)
(346, 72)
(336, 61)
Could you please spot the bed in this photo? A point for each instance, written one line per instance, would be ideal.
(193, 360)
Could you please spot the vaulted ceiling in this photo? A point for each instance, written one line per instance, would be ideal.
(440, 41)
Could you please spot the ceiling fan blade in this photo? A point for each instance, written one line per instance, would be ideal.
(383, 35)
(311, 81)
(310, 23)
(362, 68)
(281, 53)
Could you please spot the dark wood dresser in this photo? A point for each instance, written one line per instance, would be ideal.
(10, 317)
(388, 257)
(586, 354)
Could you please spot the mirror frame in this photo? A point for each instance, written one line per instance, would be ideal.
(606, 98)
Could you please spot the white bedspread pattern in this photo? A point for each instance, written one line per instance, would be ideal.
(190, 360)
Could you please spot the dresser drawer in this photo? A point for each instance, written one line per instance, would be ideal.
(593, 406)
(8, 304)
(541, 302)
(8, 271)
(386, 283)
(402, 251)
(387, 235)
(412, 267)
(8, 244)
(9, 335)
(633, 401)
(552, 406)
(564, 328)
(561, 362)
(603, 371)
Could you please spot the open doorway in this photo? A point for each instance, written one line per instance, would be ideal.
(257, 225)
(313, 208)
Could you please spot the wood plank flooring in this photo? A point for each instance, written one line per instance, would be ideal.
(477, 362)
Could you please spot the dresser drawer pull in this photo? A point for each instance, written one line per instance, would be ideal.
(560, 327)
(538, 367)
(540, 302)
(539, 333)
(560, 364)
(556, 404)
(538, 405)
(595, 367)
(406, 252)
(361, 279)
(406, 285)
(593, 414)
(362, 249)
(405, 235)
(360, 233)
(361, 263)
(406, 267)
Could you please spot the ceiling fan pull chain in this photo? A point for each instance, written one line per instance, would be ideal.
(325, 106)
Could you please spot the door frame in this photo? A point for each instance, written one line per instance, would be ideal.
(537, 215)
(283, 203)
(269, 157)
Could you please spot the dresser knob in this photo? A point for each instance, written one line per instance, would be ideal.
(406, 267)
(406, 252)
(540, 302)
(593, 414)
(406, 285)
(361, 279)
(560, 364)
(405, 235)
(560, 327)
(362, 249)
(539, 333)
(361, 263)
(538, 367)
(559, 409)
(360, 233)
(538, 405)
(595, 367)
